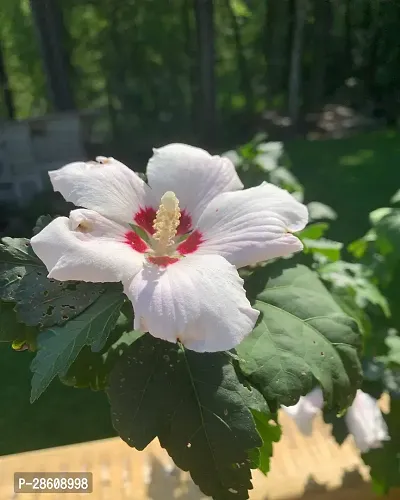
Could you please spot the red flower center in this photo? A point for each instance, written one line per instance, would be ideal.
(144, 218)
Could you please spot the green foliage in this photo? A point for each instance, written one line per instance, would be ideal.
(40, 301)
(320, 211)
(17, 260)
(270, 432)
(194, 404)
(59, 346)
(385, 462)
(301, 336)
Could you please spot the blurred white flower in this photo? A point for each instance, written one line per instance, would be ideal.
(304, 411)
(365, 422)
(364, 419)
(175, 244)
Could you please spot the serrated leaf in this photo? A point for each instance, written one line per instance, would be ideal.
(91, 369)
(12, 330)
(17, 260)
(301, 336)
(384, 462)
(59, 346)
(47, 302)
(270, 432)
(320, 211)
(314, 231)
(40, 300)
(194, 403)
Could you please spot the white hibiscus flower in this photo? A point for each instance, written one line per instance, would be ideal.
(200, 225)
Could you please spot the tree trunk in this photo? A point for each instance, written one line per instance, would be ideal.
(5, 88)
(322, 31)
(187, 24)
(294, 99)
(245, 78)
(204, 14)
(276, 40)
(348, 40)
(49, 24)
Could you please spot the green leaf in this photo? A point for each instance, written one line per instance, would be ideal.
(320, 211)
(284, 178)
(395, 198)
(17, 260)
(388, 227)
(301, 336)
(195, 404)
(355, 277)
(328, 248)
(59, 346)
(314, 231)
(12, 330)
(240, 8)
(384, 462)
(377, 215)
(393, 344)
(47, 302)
(270, 432)
(40, 301)
(91, 369)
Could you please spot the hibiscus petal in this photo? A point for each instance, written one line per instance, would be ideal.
(87, 247)
(192, 174)
(199, 300)
(365, 422)
(304, 411)
(107, 186)
(251, 226)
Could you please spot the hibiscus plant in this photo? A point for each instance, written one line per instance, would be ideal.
(197, 299)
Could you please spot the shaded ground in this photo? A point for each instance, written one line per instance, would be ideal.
(353, 175)
(61, 415)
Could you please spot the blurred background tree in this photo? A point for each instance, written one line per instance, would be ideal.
(204, 71)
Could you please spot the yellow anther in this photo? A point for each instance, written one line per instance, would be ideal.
(166, 224)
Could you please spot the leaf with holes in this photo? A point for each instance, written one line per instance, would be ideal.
(59, 346)
(301, 336)
(47, 302)
(195, 404)
(40, 301)
(17, 260)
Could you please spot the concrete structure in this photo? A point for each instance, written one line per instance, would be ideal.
(308, 468)
(29, 148)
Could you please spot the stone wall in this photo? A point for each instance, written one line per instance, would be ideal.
(30, 148)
